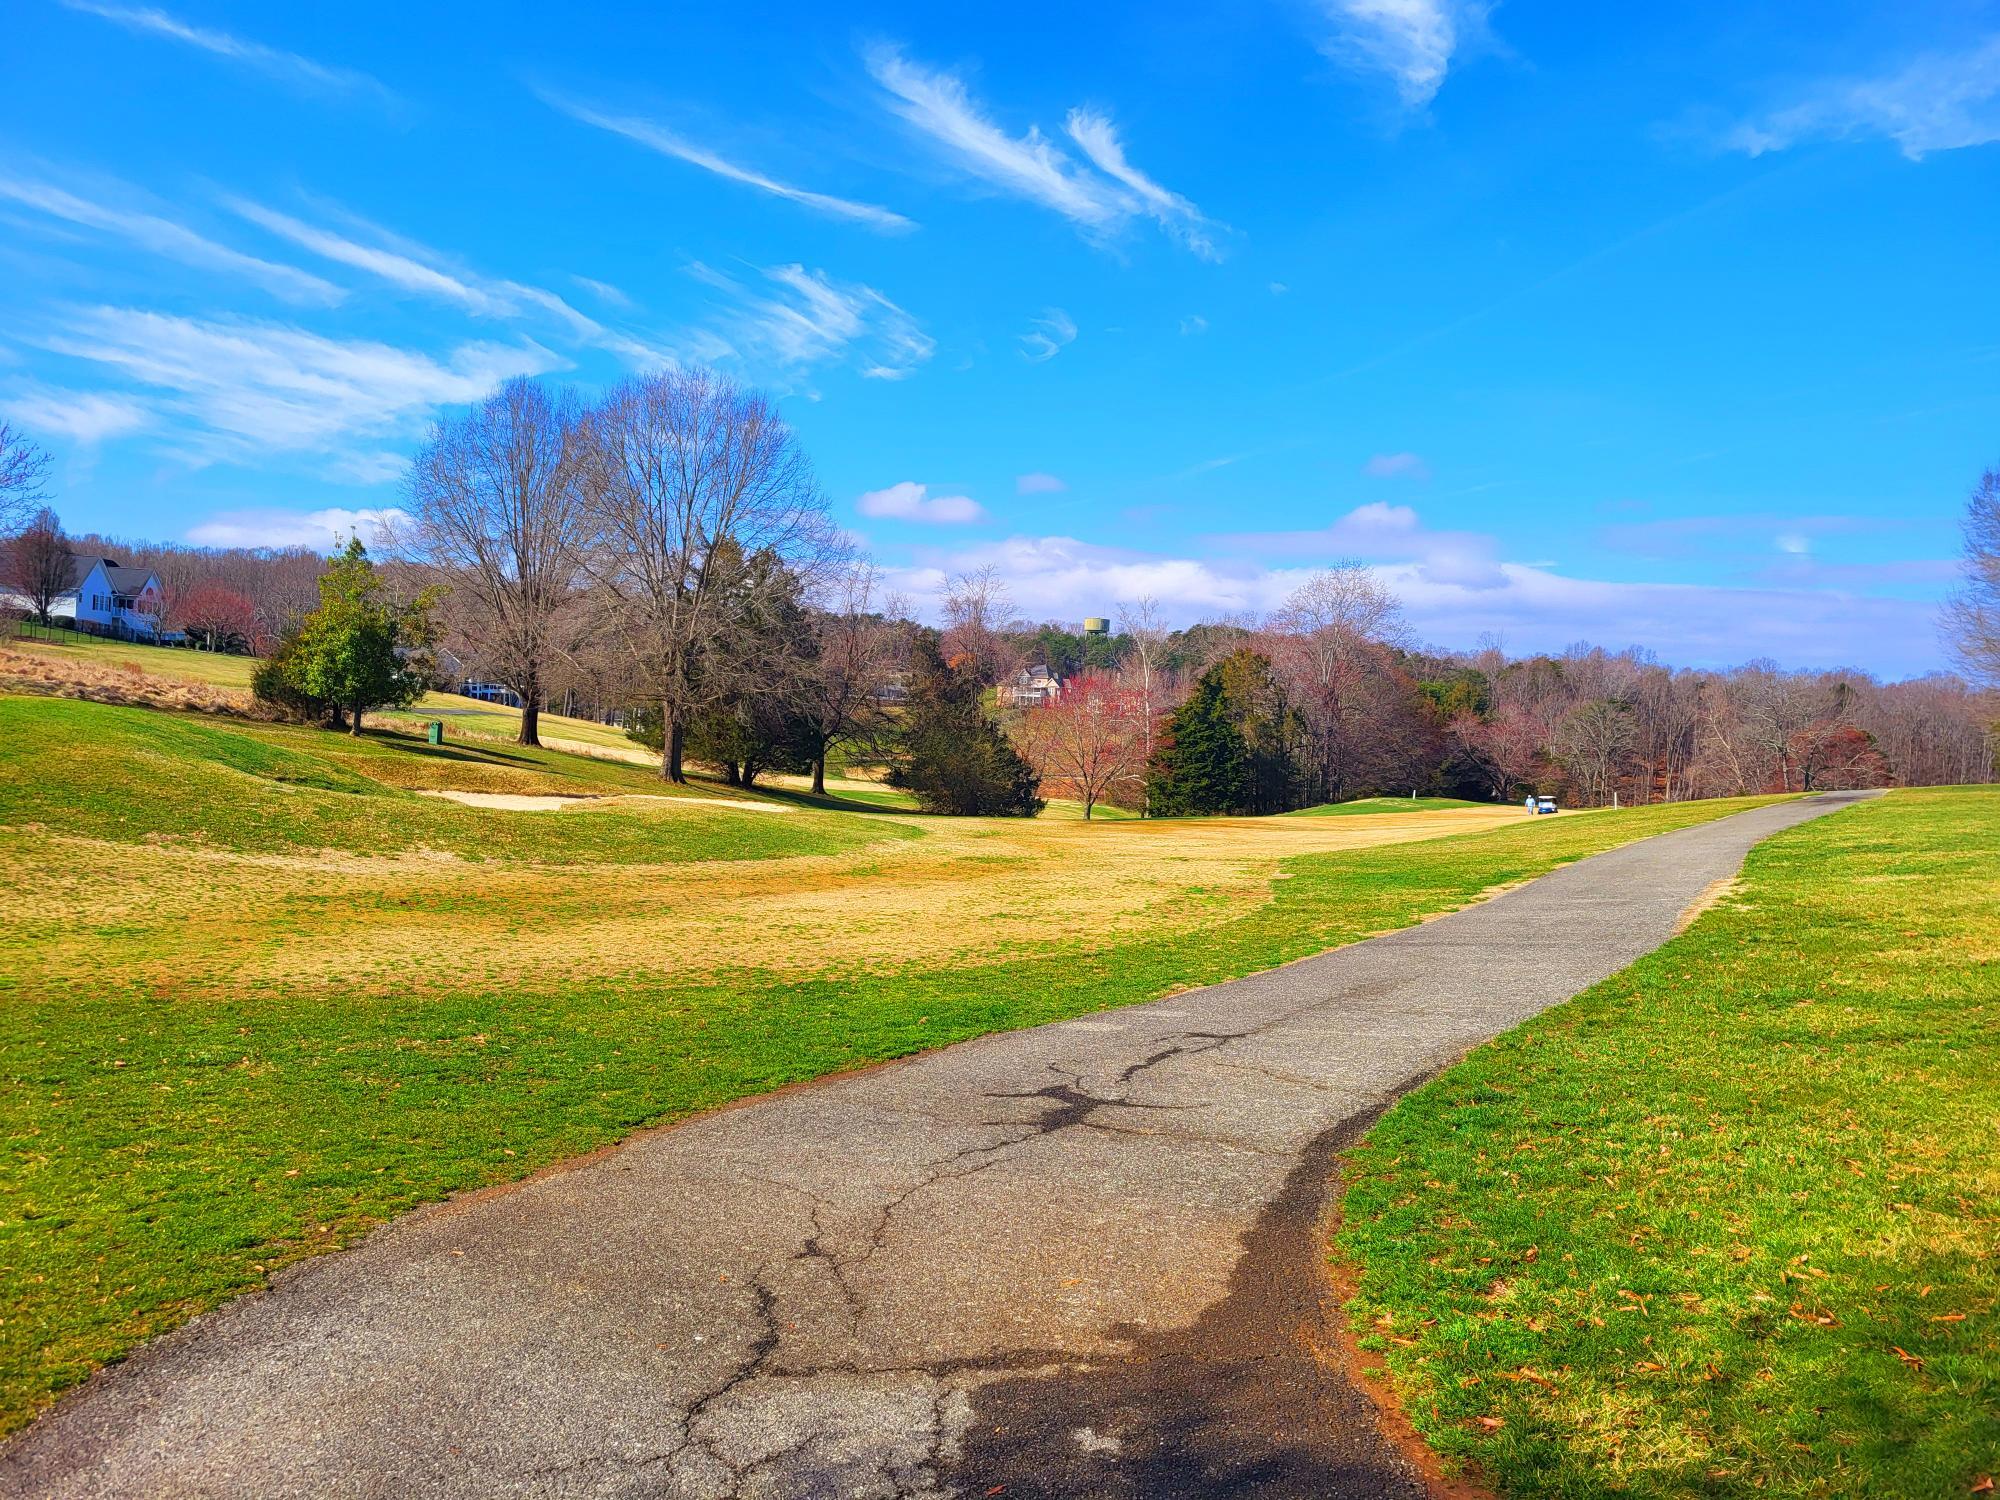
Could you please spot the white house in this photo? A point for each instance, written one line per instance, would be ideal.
(105, 597)
(1031, 686)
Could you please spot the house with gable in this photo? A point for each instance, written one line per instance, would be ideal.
(104, 597)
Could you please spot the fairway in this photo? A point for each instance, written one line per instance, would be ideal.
(1725, 1224)
(318, 1037)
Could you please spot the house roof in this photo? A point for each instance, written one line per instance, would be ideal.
(125, 580)
(80, 566)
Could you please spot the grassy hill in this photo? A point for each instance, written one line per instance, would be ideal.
(259, 994)
(1383, 805)
(1728, 1224)
(135, 775)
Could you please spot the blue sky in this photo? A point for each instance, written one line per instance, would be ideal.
(1675, 329)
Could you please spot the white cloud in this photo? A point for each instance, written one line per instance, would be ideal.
(84, 417)
(604, 291)
(397, 269)
(1939, 102)
(1382, 533)
(1534, 607)
(1193, 323)
(812, 319)
(422, 271)
(1742, 534)
(1396, 466)
(1413, 42)
(938, 105)
(1099, 139)
(286, 67)
(322, 530)
(164, 237)
(1039, 484)
(656, 137)
(1048, 335)
(909, 501)
(254, 387)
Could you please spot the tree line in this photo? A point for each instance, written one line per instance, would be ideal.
(665, 555)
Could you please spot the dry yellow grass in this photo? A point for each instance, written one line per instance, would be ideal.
(973, 891)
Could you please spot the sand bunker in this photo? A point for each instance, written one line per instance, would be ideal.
(521, 802)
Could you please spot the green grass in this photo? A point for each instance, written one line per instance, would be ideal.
(218, 669)
(1384, 805)
(1729, 1223)
(136, 775)
(167, 1147)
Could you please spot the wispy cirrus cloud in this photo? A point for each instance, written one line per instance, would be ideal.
(1941, 101)
(322, 530)
(1396, 466)
(285, 67)
(377, 260)
(1047, 336)
(937, 104)
(658, 138)
(164, 237)
(422, 271)
(84, 417)
(910, 501)
(1740, 534)
(1098, 138)
(796, 320)
(1039, 484)
(1411, 42)
(240, 387)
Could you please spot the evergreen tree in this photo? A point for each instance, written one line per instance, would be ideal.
(1273, 731)
(357, 650)
(952, 755)
(1202, 764)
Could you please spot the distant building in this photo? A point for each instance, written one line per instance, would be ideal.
(1096, 625)
(104, 597)
(1031, 686)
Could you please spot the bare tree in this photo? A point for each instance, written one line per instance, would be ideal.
(858, 646)
(1143, 622)
(1329, 646)
(1086, 741)
(39, 565)
(1595, 742)
(1972, 614)
(1934, 730)
(978, 616)
(496, 513)
(691, 478)
(23, 470)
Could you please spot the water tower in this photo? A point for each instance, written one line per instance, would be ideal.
(1096, 625)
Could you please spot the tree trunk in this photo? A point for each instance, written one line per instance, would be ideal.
(819, 775)
(1088, 804)
(673, 741)
(531, 721)
(354, 720)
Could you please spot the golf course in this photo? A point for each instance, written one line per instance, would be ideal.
(266, 990)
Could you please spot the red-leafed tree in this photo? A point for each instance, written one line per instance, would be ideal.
(1087, 741)
(219, 615)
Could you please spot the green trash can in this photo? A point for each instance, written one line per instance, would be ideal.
(437, 731)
